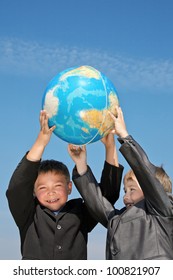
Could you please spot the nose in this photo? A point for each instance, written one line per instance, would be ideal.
(51, 191)
(126, 198)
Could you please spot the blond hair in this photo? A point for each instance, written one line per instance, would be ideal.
(164, 179)
(160, 174)
(129, 176)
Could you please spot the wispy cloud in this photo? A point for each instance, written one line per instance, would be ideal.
(33, 58)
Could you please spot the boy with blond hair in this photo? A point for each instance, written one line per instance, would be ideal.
(143, 229)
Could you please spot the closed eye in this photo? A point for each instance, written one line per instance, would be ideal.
(41, 188)
(58, 186)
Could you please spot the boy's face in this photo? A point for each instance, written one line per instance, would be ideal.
(133, 192)
(52, 190)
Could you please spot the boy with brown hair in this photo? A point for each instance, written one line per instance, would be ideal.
(50, 226)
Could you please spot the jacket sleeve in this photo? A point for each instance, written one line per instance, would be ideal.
(110, 182)
(98, 206)
(145, 173)
(20, 191)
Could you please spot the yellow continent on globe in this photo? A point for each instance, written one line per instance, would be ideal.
(82, 71)
(100, 120)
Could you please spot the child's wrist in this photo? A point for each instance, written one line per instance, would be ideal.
(123, 134)
(110, 146)
(40, 143)
(81, 169)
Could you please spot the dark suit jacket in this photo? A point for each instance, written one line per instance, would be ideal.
(44, 235)
(143, 231)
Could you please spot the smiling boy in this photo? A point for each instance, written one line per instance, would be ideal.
(143, 229)
(132, 189)
(51, 226)
(52, 185)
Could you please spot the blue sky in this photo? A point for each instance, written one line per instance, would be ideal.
(130, 41)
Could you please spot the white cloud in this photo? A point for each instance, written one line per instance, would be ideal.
(32, 58)
(51, 103)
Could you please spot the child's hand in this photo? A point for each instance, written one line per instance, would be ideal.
(43, 138)
(108, 140)
(78, 155)
(45, 132)
(119, 123)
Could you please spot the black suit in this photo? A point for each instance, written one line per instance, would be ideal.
(143, 231)
(44, 235)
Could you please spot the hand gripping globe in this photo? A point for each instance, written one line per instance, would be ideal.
(78, 101)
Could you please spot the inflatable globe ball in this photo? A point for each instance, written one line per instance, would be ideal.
(77, 101)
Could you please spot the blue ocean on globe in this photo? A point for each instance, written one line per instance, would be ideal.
(77, 101)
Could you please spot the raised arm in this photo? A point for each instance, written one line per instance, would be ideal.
(42, 140)
(145, 173)
(110, 149)
(20, 190)
(142, 167)
(110, 182)
(85, 182)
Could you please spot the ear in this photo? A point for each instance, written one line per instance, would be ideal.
(69, 187)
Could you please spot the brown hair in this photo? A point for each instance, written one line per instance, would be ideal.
(54, 166)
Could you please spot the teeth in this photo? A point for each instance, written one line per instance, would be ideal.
(53, 200)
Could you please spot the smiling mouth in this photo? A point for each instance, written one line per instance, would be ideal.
(52, 200)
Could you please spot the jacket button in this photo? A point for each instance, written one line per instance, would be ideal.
(58, 226)
(59, 247)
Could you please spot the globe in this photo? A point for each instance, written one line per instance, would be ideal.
(78, 101)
